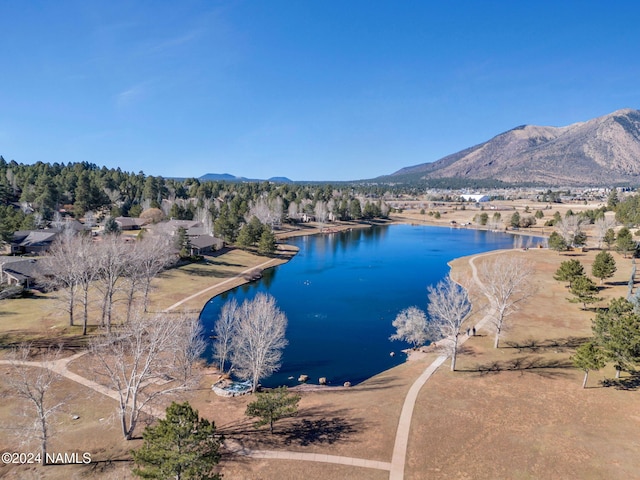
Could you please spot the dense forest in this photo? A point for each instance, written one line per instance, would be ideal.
(33, 196)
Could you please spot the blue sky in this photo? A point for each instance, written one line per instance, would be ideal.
(323, 90)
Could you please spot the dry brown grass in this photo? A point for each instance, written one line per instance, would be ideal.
(515, 412)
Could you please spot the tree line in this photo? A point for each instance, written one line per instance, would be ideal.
(79, 189)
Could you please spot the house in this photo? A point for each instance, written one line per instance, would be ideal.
(33, 241)
(174, 225)
(20, 271)
(130, 223)
(203, 244)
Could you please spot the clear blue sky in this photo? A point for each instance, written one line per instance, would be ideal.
(322, 90)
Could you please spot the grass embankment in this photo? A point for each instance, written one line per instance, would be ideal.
(519, 411)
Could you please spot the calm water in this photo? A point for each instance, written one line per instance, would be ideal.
(342, 291)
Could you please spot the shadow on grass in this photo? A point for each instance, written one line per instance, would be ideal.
(319, 426)
(72, 344)
(557, 344)
(198, 272)
(540, 366)
(631, 383)
(377, 384)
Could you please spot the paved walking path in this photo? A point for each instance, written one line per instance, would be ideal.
(217, 285)
(60, 367)
(238, 449)
(404, 424)
(395, 467)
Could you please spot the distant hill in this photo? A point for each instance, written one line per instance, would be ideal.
(601, 151)
(227, 177)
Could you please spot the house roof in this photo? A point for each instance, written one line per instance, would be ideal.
(196, 231)
(38, 238)
(204, 241)
(130, 221)
(24, 269)
(5, 260)
(183, 223)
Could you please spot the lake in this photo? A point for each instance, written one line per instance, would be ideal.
(342, 291)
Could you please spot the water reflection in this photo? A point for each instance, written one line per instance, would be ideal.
(343, 290)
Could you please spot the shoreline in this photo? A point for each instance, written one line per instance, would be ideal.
(292, 252)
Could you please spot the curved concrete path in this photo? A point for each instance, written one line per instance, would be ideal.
(395, 467)
(218, 285)
(404, 424)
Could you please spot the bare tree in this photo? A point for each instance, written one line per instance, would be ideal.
(57, 221)
(86, 274)
(601, 226)
(292, 211)
(89, 219)
(34, 383)
(154, 254)
(503, 280)
(113, 259)
(61, 269)
(570, 228)
(411, 327)
(448, 307)
(268, 211)
(259, 339)
(321, 211)
(203, 215)
(224, 331)
(138, 360)
(188, 347)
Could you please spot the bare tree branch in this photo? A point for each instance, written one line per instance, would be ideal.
(503, 280)
(448, 307)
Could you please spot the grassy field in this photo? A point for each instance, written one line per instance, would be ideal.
(513, 412)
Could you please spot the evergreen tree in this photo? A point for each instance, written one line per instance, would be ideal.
(111, 227)
(568, 271)
(273, 405)
(617, 330)
(604, 266)
(514, 221)
(585, 291)
(181, 446)
(557, 243)
(609, 237)
(267, 244)
(588, 357)
(355, 209)
(625, 242)
(182, 242)
(612, 199)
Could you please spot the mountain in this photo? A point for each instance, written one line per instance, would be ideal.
(227, 177)
(214, 177)
(601, 151)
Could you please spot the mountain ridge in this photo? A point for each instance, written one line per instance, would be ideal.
(605, 150)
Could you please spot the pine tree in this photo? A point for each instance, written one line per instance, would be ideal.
(604, 266)
(588, 357)
(568, 271)
(557, 243)
(273, 405)
(625, 242)
(609, 237)
(617, 331)
(585, 291)
(267, 244)
(181, 446)
(111, 227)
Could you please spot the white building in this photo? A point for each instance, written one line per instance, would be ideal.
(475, 198)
